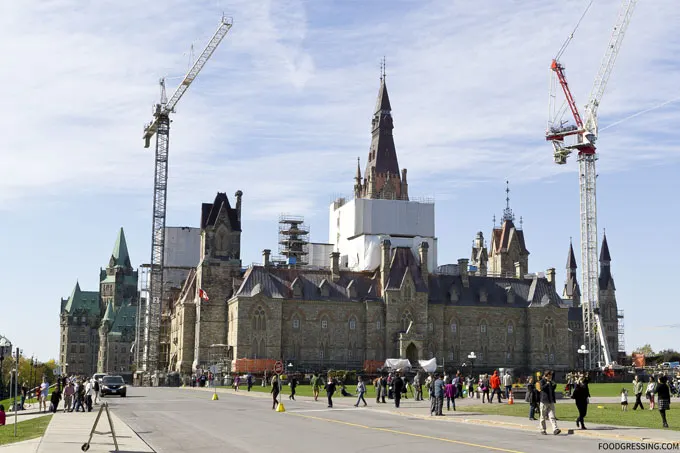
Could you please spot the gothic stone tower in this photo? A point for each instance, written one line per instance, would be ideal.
(104, 330)
(508, 255)
(220, 263)
(607, 301)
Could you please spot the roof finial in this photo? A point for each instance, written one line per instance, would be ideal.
(507, 212)
(521, 222)
(494, 220)
(383, 65)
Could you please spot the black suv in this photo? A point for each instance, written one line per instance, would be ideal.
(113, 385)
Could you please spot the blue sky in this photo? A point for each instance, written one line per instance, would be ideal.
(283, 109)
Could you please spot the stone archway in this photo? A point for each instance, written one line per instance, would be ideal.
(412, 354)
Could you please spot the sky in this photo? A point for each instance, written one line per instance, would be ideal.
(283, 109)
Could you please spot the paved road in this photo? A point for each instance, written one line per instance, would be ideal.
(176, 420)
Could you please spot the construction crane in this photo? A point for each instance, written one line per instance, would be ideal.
(582, 137)
(160, 127)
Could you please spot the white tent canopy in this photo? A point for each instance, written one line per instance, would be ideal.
(429, 366)
(398, 364)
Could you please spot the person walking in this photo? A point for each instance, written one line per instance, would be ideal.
(316, 385)
(637, 390)
(624, 399)
(664, 398)
(507, 383)
(439, 395)
(450, 393)
(249, 381)
(330, 389)
(361, 389)
(68, 396)
(275, 391)
(650, 392)
(89, 390)
(484, 385)
(398, 387)
(547, 388)
(95, 390)
(495, 383)
(532, 398)
(293, 385)
(580, 395)
(418, 387)
(44, 391)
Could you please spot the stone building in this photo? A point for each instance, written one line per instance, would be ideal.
(98, 327)
(391, 302)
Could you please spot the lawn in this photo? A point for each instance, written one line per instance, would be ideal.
(610, 390)
(606, 414)
(306, 390)
(28, 429)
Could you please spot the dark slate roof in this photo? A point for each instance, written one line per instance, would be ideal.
(527, 292)
(82, 301)
(383, 101)
(403, 260)
(125, 319)
(571, 258)
(210, 211)
(571, 287)
(382, 149)
(604, 251)
(277, 283)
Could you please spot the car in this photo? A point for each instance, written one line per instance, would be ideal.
(98, 377)
(113, 385)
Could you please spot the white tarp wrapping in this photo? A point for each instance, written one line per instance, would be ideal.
(397, 364)
(429, 366)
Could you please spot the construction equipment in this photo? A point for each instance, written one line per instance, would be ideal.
(160, 126)
(583, 136)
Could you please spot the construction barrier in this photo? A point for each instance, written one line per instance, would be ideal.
(372, 366)
(253, 365)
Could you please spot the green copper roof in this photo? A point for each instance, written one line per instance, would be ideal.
(120, 251)
(125, 319)
(79, 301)
(109, 315)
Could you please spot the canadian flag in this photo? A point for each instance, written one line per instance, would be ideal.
(203, 295)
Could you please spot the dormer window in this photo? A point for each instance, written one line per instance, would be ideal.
(324, 288)
(510, 295)
(297, 288)
(352, 290)
(483, 296)
(453, 295)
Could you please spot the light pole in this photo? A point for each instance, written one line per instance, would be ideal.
(472, 356)
(582, 352)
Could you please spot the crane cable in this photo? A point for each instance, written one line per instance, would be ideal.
(571, 36)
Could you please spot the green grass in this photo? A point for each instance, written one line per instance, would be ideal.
(605, 414)
(609, 390)
(306, 390)
(29, 429)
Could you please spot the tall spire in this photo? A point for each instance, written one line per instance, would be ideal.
(120, 253)
(605, 257)
(507, 212)
(571, 259)
(358, 175)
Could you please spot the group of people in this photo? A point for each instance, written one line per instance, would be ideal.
(78, 392)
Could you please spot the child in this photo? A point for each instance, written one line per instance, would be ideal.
(624, 399)
(2, 415)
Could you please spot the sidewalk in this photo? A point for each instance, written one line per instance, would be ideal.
(24, 415)
(421, 409)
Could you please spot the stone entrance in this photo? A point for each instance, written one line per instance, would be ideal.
(412, 354)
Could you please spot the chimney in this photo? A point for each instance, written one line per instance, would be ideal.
(238, 196)
(335, 266)
(518, 269)
(266, 253)
(404, 185)
(386, 247)
(463, 270)
(424, 271)
(550, 275)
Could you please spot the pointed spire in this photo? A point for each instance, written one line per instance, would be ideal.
(605, 257)
(507, 212)
(109, 315)
(571, 259)
(383, 102)
(358, 175)
(120, 251)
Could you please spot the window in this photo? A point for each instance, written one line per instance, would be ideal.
(451, 355)
(511, 328)
(350, 354)
(84, 319)
(378, 324)
(321, 353)
(482, 327)
(407, 293)
(352, 324)
(296, 323)
(259, 320)
(551, 359)
(324, 324)
(406, 320)
(548, 328)
(430, 326)
(454, 327)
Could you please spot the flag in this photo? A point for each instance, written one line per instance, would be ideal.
(203, 295)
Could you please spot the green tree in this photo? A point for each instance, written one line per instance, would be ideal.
(669, 355)
(646, 350)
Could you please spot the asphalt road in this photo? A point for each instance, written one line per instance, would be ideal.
(182, 420)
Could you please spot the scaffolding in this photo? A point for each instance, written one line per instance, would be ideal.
(622, 335)
(141, 323)
(293, 239)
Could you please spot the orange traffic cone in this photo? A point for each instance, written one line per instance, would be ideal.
(511, 399)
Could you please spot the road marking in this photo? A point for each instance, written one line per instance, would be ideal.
(404, 433)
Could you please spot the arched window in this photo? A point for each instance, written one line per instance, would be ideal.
(352, 324)
(406, 319)
(454, 327)
(546, 353)
(407, 293)
(324, 322)
(482, 327)
(511, 328)
(548, 329)
(259, 320)
(296, 322)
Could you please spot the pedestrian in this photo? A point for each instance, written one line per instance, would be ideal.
(484, 385)
(330, 389)
(95, 390)
(438, 388)
(664, 393)
(507, 383)
(275, 391)
(624, 399)
(398, 387)
(68, 396)
(316, 385)
(237, 382)
(44, 391)
(2, 415)
(449, 393)
(637, 390)
(361, 389)
(580, 394)
(293, 385)
(650, 392)
(249, 381)
(89, 390)
(24, 392)
(532, 398)
(383, 388)
(547, 388)
(418, 386)
(54, 400)
(495, 383)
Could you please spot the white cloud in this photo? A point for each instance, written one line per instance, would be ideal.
(285, 103)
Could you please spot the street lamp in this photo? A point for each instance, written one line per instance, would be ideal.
(472, 356)
(583, 351)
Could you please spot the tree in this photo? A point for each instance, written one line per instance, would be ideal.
(669, 355)
(646, 350)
